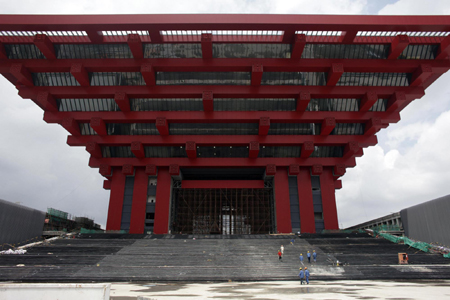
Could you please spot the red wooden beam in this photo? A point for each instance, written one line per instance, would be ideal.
(99, 126)
(138, 149)
(423, 72)
(71, 126)
(162, 125)
(81, 75)
(151, 170)
(46, 101)
(208, 101)
(227, 140)
(271, 170)
(338, 170)
(264, 126)
(307, 149)
(303, 99)
(105, 170)
(373, 125)
(94, 149)
(43, 43)
(316, 169)
(257, 73)
(191, 149)
(368, 100)
(95, 36)
(399, 44)
(128, 169)
(174, 169)
(338, 184)
(328, 124)
(122, 101)
(348, 36)
(107, 184)
(334, 74)
(207, 48)
(396, 102)
(298, 46)
(351, 149)
(444, 48)
(22, 74)
(3, 54)
(253, 150)
(222, 162)
(148, 73)
(294, 170)
(135, 45)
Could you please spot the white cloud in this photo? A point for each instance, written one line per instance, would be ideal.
(417, 7)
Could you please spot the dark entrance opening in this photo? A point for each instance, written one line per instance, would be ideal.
(222, 211)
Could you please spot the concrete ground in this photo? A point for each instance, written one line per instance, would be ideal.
(404, 290)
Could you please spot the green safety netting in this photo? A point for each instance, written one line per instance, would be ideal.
(388, 228)
(447, 255)
(57, 213)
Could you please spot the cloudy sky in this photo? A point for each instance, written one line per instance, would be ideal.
(410, 164)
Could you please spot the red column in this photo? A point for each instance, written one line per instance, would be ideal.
(116, 200)
(162, 205)
(137, 223)
(305, 201)
(328, 199)
(282, 204)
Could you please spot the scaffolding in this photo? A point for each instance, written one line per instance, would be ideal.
(222, 211)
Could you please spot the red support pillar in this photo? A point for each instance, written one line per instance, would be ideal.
(299, 46)
(264, 125)
(257, 73)
(122, 101)
(135, 45)
(162, 205)
(399, 43)
(80, 74)
(95, 36)
(305, 201)
(116, 200)
(335, 74)
(328, 124)
(207, 48)
(302, 101)
(367, 101)
(282, 203)
(43, 43)
(3, 54)
(253, 149)
(148, 73)
(162, 125)
(348, 36)
(99, 126)
(191, 149)
(139, 204)
(138, 149)
(208, 101)
(307, 149)
(328, 199)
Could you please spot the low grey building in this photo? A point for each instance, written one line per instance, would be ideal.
(19, 224)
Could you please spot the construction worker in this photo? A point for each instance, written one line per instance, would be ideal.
(292, 241)
(301, 275)
(301, 258)
(314, 255)
(280, 255)
(307, 275)
(308, 255)
(282, 250)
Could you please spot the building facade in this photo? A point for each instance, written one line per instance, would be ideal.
(223, 124)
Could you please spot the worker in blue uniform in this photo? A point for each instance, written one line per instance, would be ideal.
(314, 255)
(308, 255)
(307, 275)
(301, 275)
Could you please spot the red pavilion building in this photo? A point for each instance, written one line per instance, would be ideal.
(223, 124)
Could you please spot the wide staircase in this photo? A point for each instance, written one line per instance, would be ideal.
(116, 258)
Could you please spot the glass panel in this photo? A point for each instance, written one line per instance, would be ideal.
(333, 104)
(107, 104)
(251, 50)
(348, 129)
(328, 151)
(23, 51)
(345, 51)
(373, 79)
(117, 151)
(169, 104)
(419, 52)
(214, 128)
(254, 104)
(116, 78)
(222, 151)
(172, 51)
(293, 128)
(132, 129)
(206, 78)
(54, 79)
(89, 51)
(279, 151)
(165, 151)
(293, 78)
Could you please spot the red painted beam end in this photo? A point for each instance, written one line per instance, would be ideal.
(298, 46)
(46, 101)
(335, 74)
(191, 149)
(208, 101)
(162, 125)
(338, 184)
(135, 45)
(396, 101)
(127, 169)
(174, 170)
(350, 149)
(307, 149)
(399, 43)
(107, 184)
(148, 73)
(80, 73)
(328, 124)
(264, 125)
(122, 101)
(257, 73)
(294, 170)
(316, 169)
(22, 74)
(43, 43)
(253, 151)
(339, 170)
(138, 149)
(71, 126)
(99, 126)
(421, 74)
(151, 170)
(373, 126)
(94, 149)
(368, 100)
(207, 48)
(105, 170)
(271, 170)
(303, 100)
